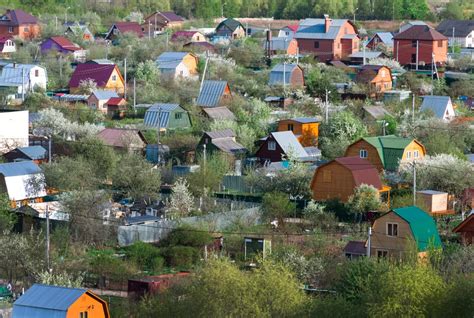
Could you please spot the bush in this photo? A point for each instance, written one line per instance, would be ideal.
(181, 256)
(186, 235)
(144, 255)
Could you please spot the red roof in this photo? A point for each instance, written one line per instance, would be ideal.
(468, 221)
(4, 39)
(183, 34)
(362, 171)
(18, 17)
(119, 137)
(171, 16)
(293, 27)
(115, 101)
(100, 73)
(420, 32)
(64, 43)
(132, 27)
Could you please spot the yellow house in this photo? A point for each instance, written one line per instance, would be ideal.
(106, 77)
(305, 129)
(387, 152)
(177, 64)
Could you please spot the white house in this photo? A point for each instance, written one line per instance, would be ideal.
(459, 32)
(288, 31)
(13, 130)
(23, 78)
(7, 46)
(440, 106)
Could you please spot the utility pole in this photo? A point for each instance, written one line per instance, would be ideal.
(47, 239)
(125, 71)
(134, 95)
(284, 76)
(22, 84)
(432, 73)
(49, 149)
(452, 41)
(413, 108)
(369, 241)
(149, 30)
(61, 67)
(397, 49)
(417, 46)
(327, 105)
(56, 22)
(383, 126)
(204, 73)
(363, 52)
(297, 55)
(158, 137)
(414, 182)
(154, 30)
(167, 39)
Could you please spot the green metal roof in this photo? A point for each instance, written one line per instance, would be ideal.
(422, 226)
(390, 149)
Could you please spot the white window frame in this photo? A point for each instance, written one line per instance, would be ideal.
(271, 145)
(408, 154)
(392, 224)
(416, 154)
(363, 153)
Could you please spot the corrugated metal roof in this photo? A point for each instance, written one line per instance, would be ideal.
(368, 55)
(23, 180)
(279, 72)
(461, 28)
(385, 37)
(100, 73)
(377, 112)
(225, 133)
(153, 114)
(437, 104)
(34, 152)
(355, 247)
(422, 226)
(134, 220)
(315, 29)
(211, 93)
(306, 120)
(104, 95)
(288, 142)
(280, 43)
(219, 113)
(420, 32)
(46, 301)
(228, 145)
(390, 149)
(13, 73)
(14, 169)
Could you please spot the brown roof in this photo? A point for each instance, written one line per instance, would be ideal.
(362, 171)
(460, 227)
(118, 137)
(115, 101)
(420, 32)
(219, 113)
(17, 17)
(65, 43)
(355, 247)
(132, 27)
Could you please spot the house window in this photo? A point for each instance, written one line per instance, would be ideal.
(327, 176)
(287, 33)
(413, 58)
(316, 44)
(10, 29)
(290, 127)
(382, 253)
(84, 314)
(26, 29)
(178, 115)
(36, 73)
(114, 78)
(206, 141)
(408, 154)
(271, 145)
(363, 153)
(416, 154)
(94, 105)
(440, 43)
(392, 229)
(413, 43)
(198, 38)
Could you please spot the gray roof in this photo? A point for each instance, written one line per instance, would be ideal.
(211, 93)
(437, 104)
(225, 133)
(136, 220)
(377, 112)
(104, 95)
(228, 145)
(34, 152)
(46, 301)
(153, 113)
(170, 60)
(280, 43)
(281, 71)
(306, 120)
(22, 168)
(288, 142)
(431, 192)
(12, 75)
(385, 37)
(368, 55)
(313, 151)
(315, 29)
(462, 28)
(219, 113)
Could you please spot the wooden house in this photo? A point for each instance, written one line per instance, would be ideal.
(214, 94)
(306, 129)
(288, 31)
(339, 178)
(120, 28)
(159, 21)
(420, 45)
(278, 146)
(327, 39)
(231, 29)
(79, 29)
(123, 139)
(283, 45)
(386, 152)
(59, 302)
(116, 107)
(434, 202)
(106, 76)
(167, 117)
(177, 64)
(37, 154)
(466, 229)
(355, 249)
(380, 40)
(62, 45)
(218, 113)
(378, 77)
(440, 106)
(286, 74)
(18, 23)
(98, 99)
(220, 141)
(188, 36)
(398, 231)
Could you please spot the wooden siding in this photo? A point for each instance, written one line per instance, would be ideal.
(395, 246)
(307, 134)
(292, 47)
(372, 153)
(191, 61)
(297, 77)
(332, 181)
(117, 85)
(413, 146)
(93, 306)
(264, 154)
(325, 52)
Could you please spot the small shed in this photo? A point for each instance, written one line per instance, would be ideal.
(139, 287)
(167, 117)
(219, 113)
(254, 246)
(214, 94)
(466, 229)
(287, 74)
(32, 153)
(221, 140)
(435, 202)
(355, 249)
(395, 96)
(440, 106)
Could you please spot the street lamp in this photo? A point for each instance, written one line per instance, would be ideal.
(355, 10)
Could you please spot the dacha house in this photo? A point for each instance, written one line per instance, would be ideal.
(377, 77)
(20, 24)
(287, 75)
(121, 28)
(167, 117)
(230, 29)
(106, 76)
(214, 94)
(62, 45)
(306, 129)
(177, 64)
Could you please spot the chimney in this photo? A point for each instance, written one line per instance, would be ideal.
(327, 23)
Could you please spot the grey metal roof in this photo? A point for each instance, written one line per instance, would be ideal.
(461, 28)
(12, 74)
(431, 192)
(219, 113)
(170, 60)
(70, 97)
(225, 133)
(368, 55)
(46, 301)
(306, 120)
(13, 169)
(377, 112)
(131, 220)
(211, 93)
(280, 72)
(153, 114)
(228, 145)
(385, 37)
(34, 152)
(437, 104)
(104, 95)
(313, 151)
(288, 142)
(315, 29)
(280, 43)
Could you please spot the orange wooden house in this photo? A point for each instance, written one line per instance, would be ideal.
(378, 77)
(305, 129)
(338, 179)
(54, 301)
(387, 152)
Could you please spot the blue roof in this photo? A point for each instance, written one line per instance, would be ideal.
(104, 95)
(276, 74)
(386, 37)
(22, 168)
(153, 113)
(46, 301)
(13, 74)
(437, 104)
(315, 29)
(170, 60)
(34, 152)
(211, 93)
